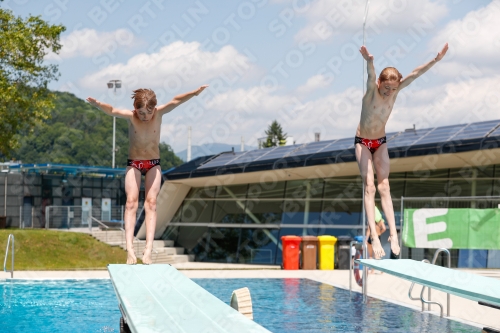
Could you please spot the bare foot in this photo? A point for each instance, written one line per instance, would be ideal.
(131, 259)
(378, 251)
(146, 256)
(394, 244)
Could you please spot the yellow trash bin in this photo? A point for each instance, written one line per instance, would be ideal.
(326, 251)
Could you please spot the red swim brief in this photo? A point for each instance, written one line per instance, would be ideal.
(372, 145)
(143, 165)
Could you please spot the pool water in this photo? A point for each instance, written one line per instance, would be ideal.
(280, 305)
(302, 305)
(58, 306)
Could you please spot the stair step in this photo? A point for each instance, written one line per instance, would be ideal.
(113, 238)
(164, 250)
(109, 233)
(163, 260)
(183, 258)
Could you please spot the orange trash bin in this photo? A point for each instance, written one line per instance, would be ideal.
(291, 248)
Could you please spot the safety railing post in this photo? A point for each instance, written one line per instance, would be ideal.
(11, 237)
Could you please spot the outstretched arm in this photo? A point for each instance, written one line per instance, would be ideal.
(110, 110)
(179, 99)
(371, 82)
(422, 69)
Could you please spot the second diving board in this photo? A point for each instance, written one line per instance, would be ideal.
(158, 298)
(471, 286)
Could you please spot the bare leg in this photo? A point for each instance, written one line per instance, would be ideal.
(382, 167)
(153, 184)
(132, 187)
(364, 158)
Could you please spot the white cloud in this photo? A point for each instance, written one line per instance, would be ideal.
(176, 68)
(327, 19)
(474, 40)
(89, 43)
(464, 100)
(313, 83)
(228, 116)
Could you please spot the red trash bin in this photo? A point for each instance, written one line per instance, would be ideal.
(291, 249)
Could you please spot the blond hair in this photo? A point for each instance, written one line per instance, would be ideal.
(144, 98)
(390, 74)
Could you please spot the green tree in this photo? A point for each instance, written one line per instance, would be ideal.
(168, 157)
(275, 135)
(24, 97)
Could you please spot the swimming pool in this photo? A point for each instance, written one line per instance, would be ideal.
(280, 305)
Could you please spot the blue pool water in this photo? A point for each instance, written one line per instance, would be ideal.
(280, 305)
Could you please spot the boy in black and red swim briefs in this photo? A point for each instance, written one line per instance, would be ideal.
(370, 141)
(144, 159)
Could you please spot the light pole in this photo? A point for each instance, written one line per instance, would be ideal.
(114, 84)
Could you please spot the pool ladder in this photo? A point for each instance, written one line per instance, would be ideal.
(11, 236)
(428, 300)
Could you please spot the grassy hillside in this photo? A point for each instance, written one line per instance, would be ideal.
(58, 250)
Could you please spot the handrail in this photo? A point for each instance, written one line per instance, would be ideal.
(6, 254)
(365, 272)
(436, 254)
(102, 224)
(429, 302)
(153, 250)
(424, 301)
(411, 289)
(350, 264)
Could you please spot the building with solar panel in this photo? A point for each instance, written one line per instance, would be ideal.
(235, 206)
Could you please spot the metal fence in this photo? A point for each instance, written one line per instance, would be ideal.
(60, 217)
(477, 202)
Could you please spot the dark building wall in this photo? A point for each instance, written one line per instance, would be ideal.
(28, 194)
(223, 223)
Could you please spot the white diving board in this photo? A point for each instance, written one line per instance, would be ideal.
(471, 286)
(158, 298)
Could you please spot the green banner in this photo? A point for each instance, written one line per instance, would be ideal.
(454, 228)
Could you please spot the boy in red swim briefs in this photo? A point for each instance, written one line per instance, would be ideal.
(144, 159)
(370, 141)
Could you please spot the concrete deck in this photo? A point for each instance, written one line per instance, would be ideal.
(381, 286)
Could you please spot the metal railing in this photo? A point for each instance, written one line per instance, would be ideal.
(57, 217)
(102, 224)
(411, 289)
(11, 236)
(364, 279)
(421, 298)
(428, 300)
(436, 254)
(351, 244)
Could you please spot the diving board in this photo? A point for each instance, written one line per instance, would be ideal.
(471, 286)
(158, 298)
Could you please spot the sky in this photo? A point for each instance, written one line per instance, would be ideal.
(294, 61)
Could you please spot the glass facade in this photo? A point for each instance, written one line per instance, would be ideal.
(244, 223)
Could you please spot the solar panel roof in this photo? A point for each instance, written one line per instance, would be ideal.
(475, 130)
(407, 138)
(220, 160)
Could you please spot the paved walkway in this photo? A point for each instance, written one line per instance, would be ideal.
(382, 286)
